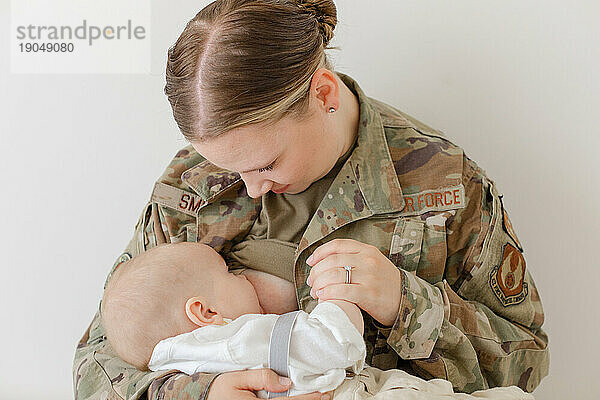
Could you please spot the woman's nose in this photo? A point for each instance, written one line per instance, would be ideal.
(256, 187)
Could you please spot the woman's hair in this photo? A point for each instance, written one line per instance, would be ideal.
(239, 62)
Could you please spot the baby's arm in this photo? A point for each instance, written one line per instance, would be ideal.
(323, 344)
(352, 311)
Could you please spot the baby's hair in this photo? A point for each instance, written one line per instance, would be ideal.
(144, 300)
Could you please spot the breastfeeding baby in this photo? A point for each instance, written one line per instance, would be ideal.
(177, 306)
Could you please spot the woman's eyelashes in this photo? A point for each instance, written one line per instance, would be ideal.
(267, 168)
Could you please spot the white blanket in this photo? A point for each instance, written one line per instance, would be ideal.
(323, 345)
(375, 384)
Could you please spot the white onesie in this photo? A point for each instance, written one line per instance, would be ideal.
(323, 344)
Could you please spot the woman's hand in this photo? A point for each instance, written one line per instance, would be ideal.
(239, 385)
(375, 281)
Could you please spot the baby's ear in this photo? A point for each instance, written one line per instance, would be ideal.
(198, 312)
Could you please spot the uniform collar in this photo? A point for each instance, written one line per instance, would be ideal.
(366, 184)
(371, 159)
(369, 171)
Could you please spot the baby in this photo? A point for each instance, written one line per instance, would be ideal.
(177, 306)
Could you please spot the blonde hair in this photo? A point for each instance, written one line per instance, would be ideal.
(239, 62)
(144, 303)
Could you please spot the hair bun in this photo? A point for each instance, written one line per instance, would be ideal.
(326, 14)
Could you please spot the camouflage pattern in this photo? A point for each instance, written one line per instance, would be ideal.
(405, 189)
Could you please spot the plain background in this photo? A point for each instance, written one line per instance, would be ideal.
(514, 82)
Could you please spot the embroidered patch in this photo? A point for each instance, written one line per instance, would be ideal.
(507, 278)
(177, 199)
(442, 199)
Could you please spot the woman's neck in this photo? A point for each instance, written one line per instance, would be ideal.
(349, 117)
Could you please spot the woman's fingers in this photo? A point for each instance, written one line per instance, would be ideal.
(332, 247)
(332, 261)
(327, 277)
(336, 262)
(239, 385)
(311, 396)
(352, 293)
(260, 379)
(267, 379)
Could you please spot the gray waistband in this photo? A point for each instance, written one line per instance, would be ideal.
(279, 347)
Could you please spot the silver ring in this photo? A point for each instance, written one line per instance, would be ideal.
(348, 269)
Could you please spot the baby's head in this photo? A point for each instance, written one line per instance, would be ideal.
(169, 290)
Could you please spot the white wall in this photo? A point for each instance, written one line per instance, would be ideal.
(514, 82)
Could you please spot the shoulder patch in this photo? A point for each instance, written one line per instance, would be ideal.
(442, 199)
(177, 199)
(508, 228)
(507, 278)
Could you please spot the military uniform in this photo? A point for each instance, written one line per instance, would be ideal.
(469, 312)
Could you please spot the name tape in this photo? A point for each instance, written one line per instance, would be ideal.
(177, 199)
(442, 199)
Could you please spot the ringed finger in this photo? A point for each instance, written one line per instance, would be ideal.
(332, 261)
(332, 247)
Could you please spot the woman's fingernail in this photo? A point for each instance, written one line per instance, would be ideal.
(325, 396)
(309, 259)
(284, 381)
(319, 292)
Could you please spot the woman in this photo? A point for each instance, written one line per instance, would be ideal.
(292, 169)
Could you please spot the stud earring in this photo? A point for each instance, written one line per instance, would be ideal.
(331, 109)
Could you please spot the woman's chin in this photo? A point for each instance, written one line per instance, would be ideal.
(295, 189)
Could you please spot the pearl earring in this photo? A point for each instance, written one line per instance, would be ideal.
(331, 109)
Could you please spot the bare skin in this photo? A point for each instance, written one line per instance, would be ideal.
(240, 385)
(274, 158)
(276, 296)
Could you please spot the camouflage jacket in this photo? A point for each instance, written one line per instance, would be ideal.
(470, 311)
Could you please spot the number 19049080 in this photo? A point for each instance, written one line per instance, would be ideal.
(46, 47)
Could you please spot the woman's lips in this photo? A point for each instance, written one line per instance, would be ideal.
(281, 190)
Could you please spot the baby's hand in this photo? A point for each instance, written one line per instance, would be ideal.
(352, 311)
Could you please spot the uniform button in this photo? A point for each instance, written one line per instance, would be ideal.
(413, 233)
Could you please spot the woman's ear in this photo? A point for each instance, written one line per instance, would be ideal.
(198, 312)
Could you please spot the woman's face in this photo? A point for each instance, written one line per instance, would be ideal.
(285, 157)
(290, 155)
